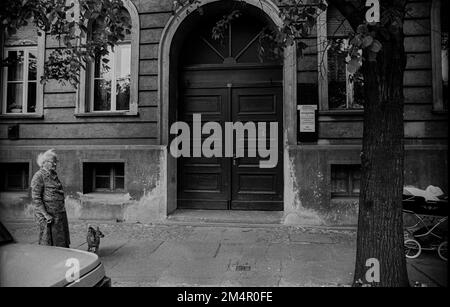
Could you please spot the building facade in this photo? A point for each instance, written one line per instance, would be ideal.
(112, 132)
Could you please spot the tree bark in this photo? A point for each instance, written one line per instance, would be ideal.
(380, 222)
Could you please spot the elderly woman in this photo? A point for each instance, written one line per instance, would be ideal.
(48, 200)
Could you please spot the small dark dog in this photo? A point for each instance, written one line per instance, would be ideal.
(93, 239)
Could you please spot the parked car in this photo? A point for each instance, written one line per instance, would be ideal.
(31, 265)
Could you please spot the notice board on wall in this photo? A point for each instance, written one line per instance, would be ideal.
(307, 123)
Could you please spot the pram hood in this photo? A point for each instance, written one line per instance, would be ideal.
(431, 193)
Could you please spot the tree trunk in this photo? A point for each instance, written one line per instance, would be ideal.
(380, 223)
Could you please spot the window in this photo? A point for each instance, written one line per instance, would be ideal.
(338, 88)
(103, 177)
(439, 47)
(14, 176)
(22, 93)
(110, 86)
(345, 180)
(111, 81)
(345, 90)
(20, 86)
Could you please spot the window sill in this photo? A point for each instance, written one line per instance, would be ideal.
(106, 195)
(107, 114)
(13, 195)
(21, 116)
(106, 198)
(342, 112)
(24, 192)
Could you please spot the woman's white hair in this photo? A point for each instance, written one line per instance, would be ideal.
(46, 156)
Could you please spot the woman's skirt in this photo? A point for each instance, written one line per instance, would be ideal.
(56, 233)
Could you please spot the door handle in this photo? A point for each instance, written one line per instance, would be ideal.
(235, 160)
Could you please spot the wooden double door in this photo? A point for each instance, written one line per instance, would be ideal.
(231, 182)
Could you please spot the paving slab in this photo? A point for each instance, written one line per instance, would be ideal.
(241, 235)
(135, 261)
(206, 234)
(310, 252)
(241, 251)
(278, 251)
(24, 232)
(428, 269)
(194, 272)
(250, 279)
(182, 251)
(311, 238)
(314, 274)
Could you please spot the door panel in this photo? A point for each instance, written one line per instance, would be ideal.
(203, 182)
(256, 105)
(232, 183)
(256, 188)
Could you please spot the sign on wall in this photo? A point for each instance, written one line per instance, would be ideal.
(307, 115)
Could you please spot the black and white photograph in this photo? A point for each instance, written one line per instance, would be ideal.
(224, 149)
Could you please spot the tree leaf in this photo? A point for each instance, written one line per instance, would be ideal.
(362, 29)
(376, 46)
(353, 65)
(367, 41)
(356, 41)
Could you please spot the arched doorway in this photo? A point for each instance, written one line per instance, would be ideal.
(230, 80)
(171, 81)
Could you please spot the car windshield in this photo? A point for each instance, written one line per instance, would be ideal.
(5, 236)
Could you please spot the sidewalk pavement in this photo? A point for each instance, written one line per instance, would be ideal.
(179, 254)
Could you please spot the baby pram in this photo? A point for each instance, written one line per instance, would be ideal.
(428, 226)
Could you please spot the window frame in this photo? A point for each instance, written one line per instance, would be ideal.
(112, 64)
(87, 167)
(112, 179)
(436, 57)
(322, 62)
(350, 170)
(26, 173)
(40, 59)
(26, 50)
(84, 105)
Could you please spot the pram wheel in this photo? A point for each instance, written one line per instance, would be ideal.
(412, 249)
(442, 250)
